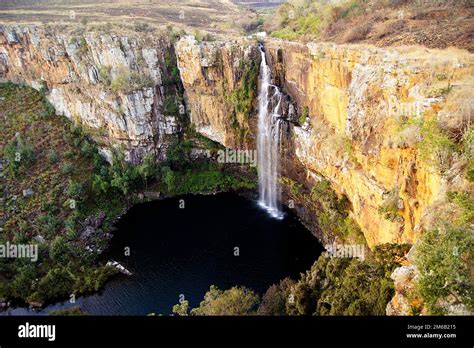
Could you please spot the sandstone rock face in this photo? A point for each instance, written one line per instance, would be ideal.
(78, 70)
(211, 72)
(356, 98)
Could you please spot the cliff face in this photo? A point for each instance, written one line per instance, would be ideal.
(356, 99)
(213, 73)
(86, 77)
(351, 101)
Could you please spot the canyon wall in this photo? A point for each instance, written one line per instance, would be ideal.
(84, 76)
(344, 107)
(344, 114)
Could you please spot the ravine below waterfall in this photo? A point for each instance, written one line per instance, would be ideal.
(178, 251)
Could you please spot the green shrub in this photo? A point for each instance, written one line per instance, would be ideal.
(52, 157)
(104, 75)
(127, 81)
(466, 204)
(436, 146)
(179, 154)
(242, 97)
(389, 208)
(75, 190)
(20, 155)
(304, 115)
(142, 27)
(23, 281)
(235, 301)
(171, 105)
(275, 298)
(56, 283)
(444, 259)
(67, 168)
(60, 250)
(74, 311)
(285, 34)
(181, 309)
(49, 225)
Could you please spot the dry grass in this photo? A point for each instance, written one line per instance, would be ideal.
(433, 24)
(210, 15)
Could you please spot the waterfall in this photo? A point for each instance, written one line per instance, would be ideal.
(268, 142)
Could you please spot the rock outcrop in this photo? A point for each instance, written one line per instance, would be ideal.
(212, 74)
(113, 85)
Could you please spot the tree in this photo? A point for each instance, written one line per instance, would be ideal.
(275, 298)
(179, 155)
(99, 184)
(147, 169)
(181, 309)
(22, 283)
(235, 301)
(60, 250)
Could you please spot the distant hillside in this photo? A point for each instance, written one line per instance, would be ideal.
(259, 3)
(209, 15)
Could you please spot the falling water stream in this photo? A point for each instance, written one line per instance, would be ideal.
(268, 142)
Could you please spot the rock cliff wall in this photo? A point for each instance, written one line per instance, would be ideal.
(87, 78)
(220, 82)
(344, 114)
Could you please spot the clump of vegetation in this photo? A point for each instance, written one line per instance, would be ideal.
(434, 144)
(465, 204)
(104, 75)
(200, 36)
(345, 286)
(74, 311)
(173, 76)
(444, 259)
(331, 210)
(275, 298)
(304, 115)
(242, 98)
(235, 301)
(19, 154)
(127, 81)
(142, 27)
(389, 208)
(333, 217)
(172, 104)
(180, 174)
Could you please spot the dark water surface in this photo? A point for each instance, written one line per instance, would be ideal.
(178, 251)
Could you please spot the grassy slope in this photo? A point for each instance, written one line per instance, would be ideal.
(62, 159)
(437, 24)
